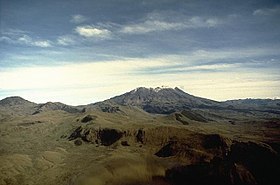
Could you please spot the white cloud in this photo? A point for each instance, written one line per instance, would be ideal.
(84, 79)
(27, 40)
(214, 55)
(267, 11)
(200, 22)
(14, 32)
(42, 43)
(150, 26)
(6, 39)
(154, 23)
(24, 39)
(75, 74)
(77, 19)
(65, 40)
(92, 31)
(208, 67)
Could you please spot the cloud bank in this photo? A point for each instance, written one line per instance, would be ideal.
(95, 81)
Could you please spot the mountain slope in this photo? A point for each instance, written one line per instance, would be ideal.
(15, 101)
(152, 100)
(266, 105)
(52, 106)
(162, 100)
(16, 105)
(168, 100)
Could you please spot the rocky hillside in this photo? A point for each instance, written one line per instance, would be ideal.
(211, 158)
(16, 105)
(152, 100)
(56, 106)
(168, 100)
(162, 100)
(194, 141)
(265, 105)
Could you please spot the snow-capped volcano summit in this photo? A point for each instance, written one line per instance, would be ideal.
(157, 89)
(161, 99)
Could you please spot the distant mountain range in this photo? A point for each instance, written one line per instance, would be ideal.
(153, 100)
(169, 100)
(18, 106)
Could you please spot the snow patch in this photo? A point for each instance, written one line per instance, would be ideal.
(157, 89)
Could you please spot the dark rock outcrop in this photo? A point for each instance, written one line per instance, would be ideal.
(260, 159)
(215, 142)
(110, 109)
(76, 133)
(88, 118)
(180, 118)
(218, 172)
(168, 150)
(212, 144)
(109, 136)
(105, 136)
(140, 136)
(78, 142)
(124, 143)
(246, 164)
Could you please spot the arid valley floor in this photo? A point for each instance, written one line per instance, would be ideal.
(146, 136)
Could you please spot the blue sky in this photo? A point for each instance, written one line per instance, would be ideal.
(82, 51)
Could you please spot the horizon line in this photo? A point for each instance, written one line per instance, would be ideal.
(161, 87)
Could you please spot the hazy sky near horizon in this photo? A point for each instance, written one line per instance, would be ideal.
(83, 51)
